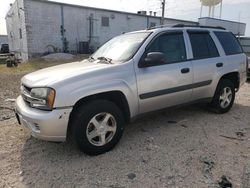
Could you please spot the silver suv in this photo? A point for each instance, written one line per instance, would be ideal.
(130, 75)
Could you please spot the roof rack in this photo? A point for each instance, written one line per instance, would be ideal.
(183, 25)
(160, 26)
(199, 26)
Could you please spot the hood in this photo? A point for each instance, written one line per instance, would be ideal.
(47, 76)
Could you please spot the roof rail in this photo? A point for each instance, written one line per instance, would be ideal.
(160, 26)
(199, 26)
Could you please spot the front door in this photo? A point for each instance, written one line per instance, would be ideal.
(169, 83)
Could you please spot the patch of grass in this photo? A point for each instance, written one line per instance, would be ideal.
(3, 58)
(36, 64)
(248, 54)
(2, 61)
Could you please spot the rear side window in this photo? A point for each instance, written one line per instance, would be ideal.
(203, 46)
(229, 43)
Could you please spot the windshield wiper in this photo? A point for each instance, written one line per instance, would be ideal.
(105, 59)
(91, 59)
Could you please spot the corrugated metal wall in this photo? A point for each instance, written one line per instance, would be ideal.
(245, 43)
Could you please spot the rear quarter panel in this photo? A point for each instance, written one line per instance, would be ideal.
(236, 63)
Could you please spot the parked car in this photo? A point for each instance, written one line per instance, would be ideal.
(4, 48)
(131, 75)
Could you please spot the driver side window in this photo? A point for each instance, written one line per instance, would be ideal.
(171, 45)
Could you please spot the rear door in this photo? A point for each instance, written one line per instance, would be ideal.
(206, 62)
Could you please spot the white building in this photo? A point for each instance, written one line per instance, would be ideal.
(245, 43)
(37, 26)
(237, 28)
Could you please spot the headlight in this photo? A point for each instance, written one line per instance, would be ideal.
(42, 98)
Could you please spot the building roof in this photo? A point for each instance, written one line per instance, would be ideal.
(108, 10)
(222, 20)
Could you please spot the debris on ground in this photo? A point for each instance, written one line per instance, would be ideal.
(10, 100)
(150, 140)
(6, 108)
(246, 177)
(171, 121)
(58, 56)
(240, 133)
(225, 183)
(208, 164)
(145, 159)
(182, 125)
(131, 176)
(232, 138)
(5, 118)
(204, 131)
(143, 130)
(150, 147)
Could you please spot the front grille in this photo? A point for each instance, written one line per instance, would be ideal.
(25, 92)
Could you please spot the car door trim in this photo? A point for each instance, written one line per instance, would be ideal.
(174, 89)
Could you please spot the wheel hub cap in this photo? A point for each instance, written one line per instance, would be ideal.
(226, 97)
(101, 129)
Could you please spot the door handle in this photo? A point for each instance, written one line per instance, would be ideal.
(219, 65)
(185, 70)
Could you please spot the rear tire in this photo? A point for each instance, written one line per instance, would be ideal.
(224, 96)
(97, 126)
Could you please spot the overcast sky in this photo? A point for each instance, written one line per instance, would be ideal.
(236, 10)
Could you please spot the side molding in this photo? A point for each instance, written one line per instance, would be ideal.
(175, 89)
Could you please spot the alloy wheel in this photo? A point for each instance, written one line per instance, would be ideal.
(101, 129)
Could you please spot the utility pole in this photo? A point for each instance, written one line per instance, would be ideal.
(163, 3)
(221, 8)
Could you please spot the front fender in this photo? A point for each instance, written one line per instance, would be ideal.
(72, 97)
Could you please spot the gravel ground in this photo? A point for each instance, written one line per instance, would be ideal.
(182, 147)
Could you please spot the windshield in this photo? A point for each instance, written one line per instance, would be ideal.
(121, 48)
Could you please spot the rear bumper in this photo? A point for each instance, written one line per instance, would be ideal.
(45, 125)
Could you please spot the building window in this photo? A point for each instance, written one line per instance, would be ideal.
(152, 24)
(20, 33)
(105, 21)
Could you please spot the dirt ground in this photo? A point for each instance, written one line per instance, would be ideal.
(182, 147)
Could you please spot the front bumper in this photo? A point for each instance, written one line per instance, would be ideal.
(45, 125)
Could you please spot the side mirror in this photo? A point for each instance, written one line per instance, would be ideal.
(152, 59)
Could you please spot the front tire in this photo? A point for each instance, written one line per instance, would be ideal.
(97, 126)
(224, 96)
